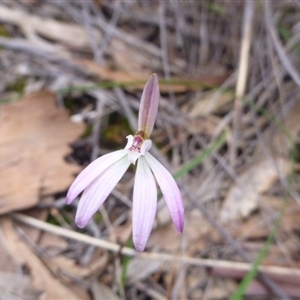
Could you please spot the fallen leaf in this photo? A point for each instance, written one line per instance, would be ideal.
(121, 76)
(139, 268)
(270, 162)
(209, 102)
(42, 278)
(15, 286)
(135, 78)
(34, 139)
(51, 243)
(243, 197)
(256, 289)
(205, 125)
(69, 269)
(100, 291)
(33, 233)
(66, 267)
(73, 35)
(7, 262)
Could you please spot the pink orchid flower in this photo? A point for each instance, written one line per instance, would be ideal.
(99, 178)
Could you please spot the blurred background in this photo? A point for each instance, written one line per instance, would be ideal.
(72, 74)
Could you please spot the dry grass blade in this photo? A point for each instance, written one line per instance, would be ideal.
(248, 20)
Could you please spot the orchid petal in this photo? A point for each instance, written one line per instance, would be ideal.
(146, 146)
(133, 156)
(129, 141)
(92, 171)
(97, 192)
(149, 105)
(144, 204)
(169, 190)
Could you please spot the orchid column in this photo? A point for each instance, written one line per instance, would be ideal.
(99, 178)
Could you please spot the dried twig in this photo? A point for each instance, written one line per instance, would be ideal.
(238, 266)
(242, 77)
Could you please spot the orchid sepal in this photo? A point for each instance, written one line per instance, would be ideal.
(149, 106)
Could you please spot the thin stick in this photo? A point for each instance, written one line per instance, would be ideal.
(221, 264)
(242, 77)
(67, 233)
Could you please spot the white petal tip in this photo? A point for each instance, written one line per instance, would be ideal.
(129, 141)
(180, 229)
(81, 222)
(146, 146)
(179, 223)
(69, 200)
(139, 247)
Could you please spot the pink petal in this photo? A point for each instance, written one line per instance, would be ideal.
(170, 191)
(149, 105)
(144, 204)
(97, 192)
(92, 171)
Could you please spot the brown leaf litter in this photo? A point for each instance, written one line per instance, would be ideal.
(270, 163)
(34, 138)
(42, 278)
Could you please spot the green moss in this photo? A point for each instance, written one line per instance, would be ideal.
(18, 86)
(284, 32)
(52, 220)
(98, 218)
(68, 102)
(115, 134)
(3, 31)
(216, 8)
